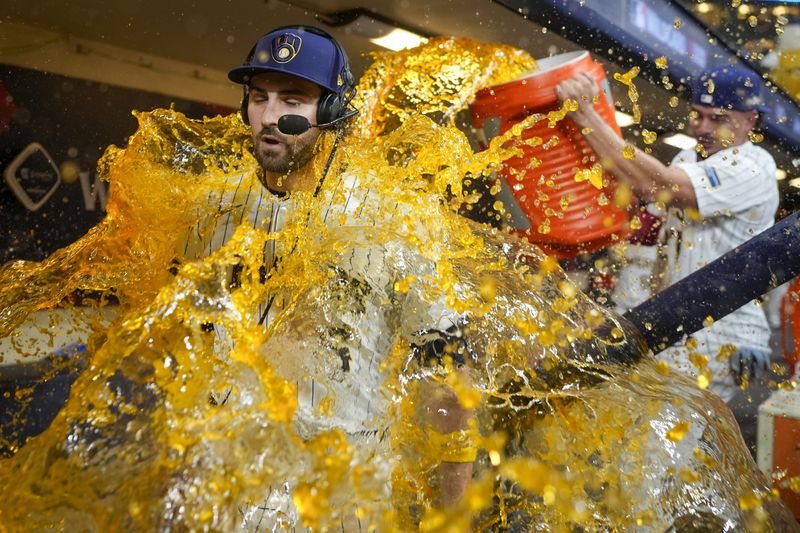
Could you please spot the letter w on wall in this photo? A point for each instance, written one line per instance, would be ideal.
(93, 191)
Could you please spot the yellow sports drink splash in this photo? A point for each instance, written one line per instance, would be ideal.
(419, 371)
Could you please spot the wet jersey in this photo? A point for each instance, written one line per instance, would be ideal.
(337, 367)
(737, 197)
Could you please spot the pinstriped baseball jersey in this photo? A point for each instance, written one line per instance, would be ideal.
(245, 199)
(737, 197)
(341, 359)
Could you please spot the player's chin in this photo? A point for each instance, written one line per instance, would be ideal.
(273, 152)
(271, 162)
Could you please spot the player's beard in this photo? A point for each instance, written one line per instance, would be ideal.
(299, 150)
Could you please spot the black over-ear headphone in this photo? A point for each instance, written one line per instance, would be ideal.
(332, 105)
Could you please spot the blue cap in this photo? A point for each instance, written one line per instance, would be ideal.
(729, 87)
(302, 51)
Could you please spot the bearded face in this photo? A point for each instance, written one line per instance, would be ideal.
(281, 154)
(272, 95)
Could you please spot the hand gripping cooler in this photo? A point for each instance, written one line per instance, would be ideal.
(580, 217)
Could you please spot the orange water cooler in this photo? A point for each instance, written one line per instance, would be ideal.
(578, 216)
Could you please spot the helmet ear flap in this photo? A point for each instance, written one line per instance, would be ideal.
(243, 108)
(329, 108)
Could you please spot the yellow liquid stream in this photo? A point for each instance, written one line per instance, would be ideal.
(173, 426)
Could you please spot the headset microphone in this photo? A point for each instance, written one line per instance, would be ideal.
(298, 124)
(293, 124)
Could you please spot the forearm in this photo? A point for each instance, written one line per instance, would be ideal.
(454, 479)
(452, 437)
(649, 179)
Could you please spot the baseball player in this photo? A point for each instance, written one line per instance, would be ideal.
(717, 196)
(296, 83)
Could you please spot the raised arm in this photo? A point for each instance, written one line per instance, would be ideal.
(646, 175)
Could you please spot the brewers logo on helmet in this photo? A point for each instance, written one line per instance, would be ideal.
(286, 47)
